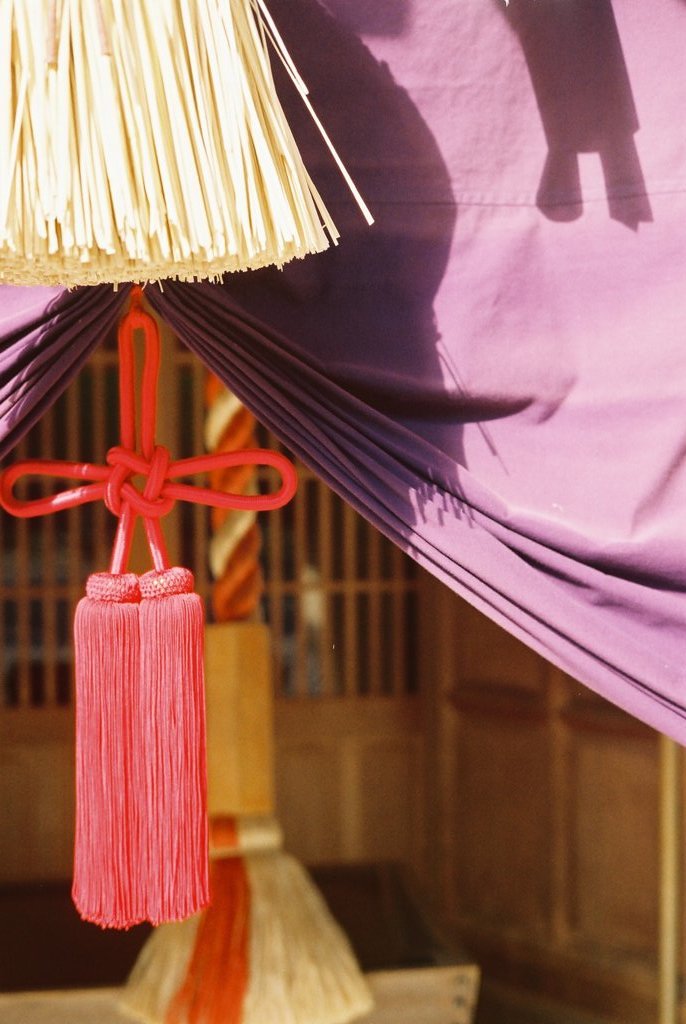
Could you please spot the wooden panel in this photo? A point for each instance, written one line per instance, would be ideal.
(501, 823)
(614, 989)
(308, 801)
(613, 841)
(576, 691)
(331, 719)
(349, 778)
(488, 655)
(37, 799)
(546, 823)
(390, 786)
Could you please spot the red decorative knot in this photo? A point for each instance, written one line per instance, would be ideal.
(119, 489)
(113, 482)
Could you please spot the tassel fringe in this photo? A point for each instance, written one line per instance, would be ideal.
(106, 885)
(141, 821)
(172, 715)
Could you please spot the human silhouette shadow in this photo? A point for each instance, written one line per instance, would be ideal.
(363, 310)
(304, 346)
(362, 313)
(579, 76)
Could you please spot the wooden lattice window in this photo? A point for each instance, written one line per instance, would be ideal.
(340, 598)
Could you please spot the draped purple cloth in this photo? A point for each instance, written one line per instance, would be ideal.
(494, 373)
(46, 335)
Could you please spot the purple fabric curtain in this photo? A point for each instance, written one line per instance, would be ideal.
(494, 373)
(46, 335)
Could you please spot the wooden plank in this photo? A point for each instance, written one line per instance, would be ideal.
(430, 995)
(425, 995)
(48, 604)
(298, 721)
(21, 581)
(349, 778)
(671, 888)
(489, 655)
(618, 988)
(302, 582)
(325, 565)
(397, 638)
(614, 842)
(350, 661)
(560, 811)
(78, 1007)
(36, 808)
(38, 725)
(501, 816)
(374, 575)
(593, 716)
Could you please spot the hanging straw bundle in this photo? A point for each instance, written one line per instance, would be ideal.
(143, 139)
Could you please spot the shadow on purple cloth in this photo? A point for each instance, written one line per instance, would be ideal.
(372, 17)
(580, 78)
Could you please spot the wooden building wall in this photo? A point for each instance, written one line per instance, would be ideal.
(546, 837)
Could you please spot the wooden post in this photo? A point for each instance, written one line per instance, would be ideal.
(670, 880)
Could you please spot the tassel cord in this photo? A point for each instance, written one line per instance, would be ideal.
(138, 319)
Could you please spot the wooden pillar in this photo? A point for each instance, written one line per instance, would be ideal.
(670, 881)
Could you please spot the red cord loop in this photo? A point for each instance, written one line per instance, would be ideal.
(113, 483)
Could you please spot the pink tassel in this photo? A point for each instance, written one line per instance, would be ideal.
(141, 824)
(172, 714)
(141, 820)
(106, 634)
